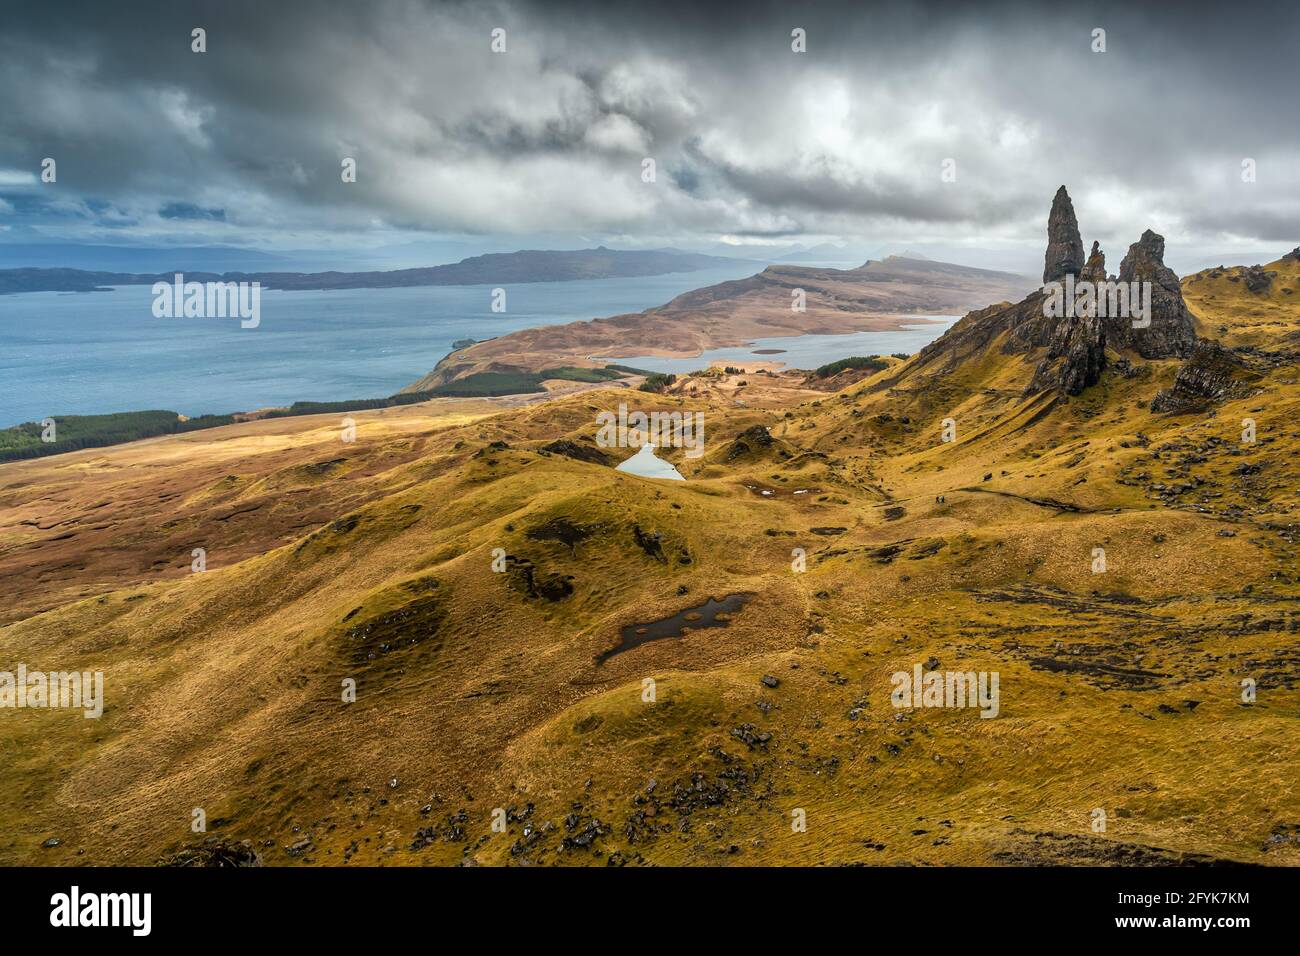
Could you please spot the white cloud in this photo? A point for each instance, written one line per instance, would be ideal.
(185, 118)
(617, 133)
(17, 177)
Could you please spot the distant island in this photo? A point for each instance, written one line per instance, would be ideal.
(528, 265)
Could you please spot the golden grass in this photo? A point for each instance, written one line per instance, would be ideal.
(224, 688)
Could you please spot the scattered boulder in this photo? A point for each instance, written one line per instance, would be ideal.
(1257, 279)
(583, 834)
(651, 542)
(452, 830)
(219, 854)
(926, 549)
(751, 736)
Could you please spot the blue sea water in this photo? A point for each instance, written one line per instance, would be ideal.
(804, 351)
(95, 352)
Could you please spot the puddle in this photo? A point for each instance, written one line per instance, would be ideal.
(708, 614)
(646, 464)
(767, 491)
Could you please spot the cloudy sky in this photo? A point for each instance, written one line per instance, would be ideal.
(545, 143)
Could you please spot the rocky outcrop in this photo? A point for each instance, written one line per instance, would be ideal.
(1257, 279)
(1076, 344)
(1070, 340)
(217, 853)
(1211, 375)
(1171, 333)
(1094, 270)
(1064, 245)
(1076, 355)
(751, 439)
(571, 449)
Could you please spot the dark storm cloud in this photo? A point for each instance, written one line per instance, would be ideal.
(824, 188)
(750, 139)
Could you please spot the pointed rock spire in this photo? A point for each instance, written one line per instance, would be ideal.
(1064, 245)
(1095, 268)
(1145, 256)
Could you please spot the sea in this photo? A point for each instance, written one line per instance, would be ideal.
(96, 352)
(803, 351)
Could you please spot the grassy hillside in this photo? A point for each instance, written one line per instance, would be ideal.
(1227, 308)
(480, 689)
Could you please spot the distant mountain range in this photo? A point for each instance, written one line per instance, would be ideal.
(529, 265)
(822, 253)
(75, 255)
(825, 252)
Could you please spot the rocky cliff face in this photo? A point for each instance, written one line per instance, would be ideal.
(1064, 247)
(1076, 345)
(1073, 347)
(1094, 270)
(1171, 333)
(1076, 355)
(1211, 374)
